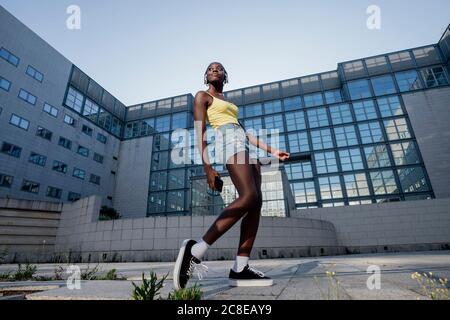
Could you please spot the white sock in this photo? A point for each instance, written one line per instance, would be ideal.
(198, 250)
(240, 263)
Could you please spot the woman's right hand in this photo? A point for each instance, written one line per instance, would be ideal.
(211, 176)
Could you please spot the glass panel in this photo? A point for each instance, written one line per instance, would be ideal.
(383, 85)
(356, 185)
(359, 89)
(390, 106)
(330, 187)
(326, 162)
(313, 100)
(408, 80)
(405, 153)
(345, 136)
(295, 121)
(383, 182)
(298, 142)
(317, 118)
(321, 139)
(341, 114)
(364, 110)
(413, 179)
(351, 159)
(304, 192)
(370, 132)
(397, 129)
(293, 103)
(377, 156)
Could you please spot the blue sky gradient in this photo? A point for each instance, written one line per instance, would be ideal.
(144, 50)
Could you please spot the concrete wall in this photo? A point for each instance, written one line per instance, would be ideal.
(406, 225)
(133, 177)
(429, 113)
(28, 230)
(159, 238)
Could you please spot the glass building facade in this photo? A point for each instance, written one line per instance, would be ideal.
(348, 132)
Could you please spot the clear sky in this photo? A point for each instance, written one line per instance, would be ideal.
(142, 50)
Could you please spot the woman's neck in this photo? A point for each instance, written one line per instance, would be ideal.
(212, 89)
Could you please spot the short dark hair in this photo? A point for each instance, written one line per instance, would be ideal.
(225, 79)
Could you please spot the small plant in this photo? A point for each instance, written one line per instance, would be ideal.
(193, 293)
(5, 276)
(334, 290)
(432, 288)
(108, 213)
(89, 274)
(58, 273)
(111, 275)
(149, 289)
(25, 273)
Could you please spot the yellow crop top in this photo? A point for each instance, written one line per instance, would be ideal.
(221, 112)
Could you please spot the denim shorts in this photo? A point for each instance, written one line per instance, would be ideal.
(230, 139)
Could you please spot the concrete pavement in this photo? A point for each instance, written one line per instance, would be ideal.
(294, 279)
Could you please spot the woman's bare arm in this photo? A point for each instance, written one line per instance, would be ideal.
(200, 106)
(259, 143)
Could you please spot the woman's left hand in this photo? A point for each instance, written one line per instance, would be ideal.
(281, 155)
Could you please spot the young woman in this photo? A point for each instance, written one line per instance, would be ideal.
(245, 173)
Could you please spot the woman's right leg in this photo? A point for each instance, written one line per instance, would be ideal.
(242, 176)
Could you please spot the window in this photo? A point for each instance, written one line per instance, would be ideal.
(333, 96)
(160, 160)
(53, 192)
(383, 182)
(330, 187)
(356, 185)
(50, 110)
(19, 122)
(94, 179)
(377, 156)
(312, 100)
(359, 89)
(397, 129)
(434, 77)
(253, 110)
(98, 158)
(370, 132)
(27, 97)
(157, 202)
(405, 153)
(304, 192)
(254, 123)
(408, 80)
(390, 106)
(74, 100)
(176, 179)
(11, 149)
(299, 170)
(69, 120)
(274, 123)
(298, 142)
(351, 159)
(30, 186)
(5, 180)
(345, 136)
(64, 142)
(73, 196)
(326, 162)
(412, 179)
(295, 121)
(364, 110)
(86, 130)
(79, 173)
(383, 85)
(317, 118)
(321, 139)
(32, 72)
(341, 114)
(163, 123)
(37, 159)
(59, 166)
(91, 110)
(179, 120)
(8, 56)
(272, 107)
(158, 181)
(293, 103)
(44, 133)
(83, 151)
(5, 84)
(101, 138)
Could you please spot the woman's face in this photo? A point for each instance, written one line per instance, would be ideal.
(215, 73)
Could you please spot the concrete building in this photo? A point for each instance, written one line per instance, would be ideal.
(373, 131)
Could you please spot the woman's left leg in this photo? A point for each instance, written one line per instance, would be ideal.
(250, 223)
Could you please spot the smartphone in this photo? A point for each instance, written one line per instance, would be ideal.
(218, 184)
